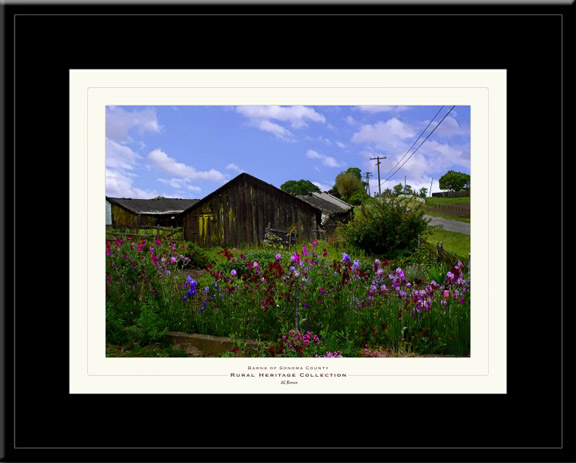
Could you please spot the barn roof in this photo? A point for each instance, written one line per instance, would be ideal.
(244, 177)
(156, 206)
(326, 203)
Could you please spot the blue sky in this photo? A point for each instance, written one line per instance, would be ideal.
(189, 151)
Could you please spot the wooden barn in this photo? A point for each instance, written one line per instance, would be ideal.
(334, 210)
(141, 213)
(241, 211)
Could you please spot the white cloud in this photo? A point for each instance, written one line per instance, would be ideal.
(381, 109)
(235, 168)
(328, 161)
(297, 117)
(160, 160)
(194, 188)
(323, 186)
(119, 123)
(313, 154)
(274, 129)
(175, 183)
(119, 185)
(388, 134)
(450, 128)
(120, 156)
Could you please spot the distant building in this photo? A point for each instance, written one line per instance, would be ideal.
(140, 213)
(334, 210)
(240, 212)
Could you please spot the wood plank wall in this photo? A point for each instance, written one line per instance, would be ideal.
(238, 213)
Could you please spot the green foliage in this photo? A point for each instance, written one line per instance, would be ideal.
(347, 184)
(354, 171)
(149, 327)
(239, 262)
(299, 187)
(454, 181)
(197, 257)
(115, 324)
(389, 227)
(358, 197)
(338, 341)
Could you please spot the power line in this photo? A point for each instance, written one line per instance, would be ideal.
(433, 130)
(416, 141)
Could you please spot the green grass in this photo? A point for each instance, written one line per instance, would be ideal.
(439, 202)
(433, 200)
(455, 243)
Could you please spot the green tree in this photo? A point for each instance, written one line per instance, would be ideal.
(299, 187)
(347, 184)
(423, 192)
(454, 181)
(358, 197)
(354, 171)
(398, 189)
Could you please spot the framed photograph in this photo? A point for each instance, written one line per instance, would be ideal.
(264, 290)
(287, 232)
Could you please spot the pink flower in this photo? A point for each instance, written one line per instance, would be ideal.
(446, 294)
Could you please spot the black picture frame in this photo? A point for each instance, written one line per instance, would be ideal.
(534, 421)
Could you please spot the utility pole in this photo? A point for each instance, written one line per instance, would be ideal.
(368, 175)
(431, 186)
(377, 159)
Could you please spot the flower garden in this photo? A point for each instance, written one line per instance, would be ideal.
(310, 301)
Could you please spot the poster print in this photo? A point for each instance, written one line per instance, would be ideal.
(222, 265)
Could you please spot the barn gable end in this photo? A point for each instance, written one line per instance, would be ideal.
(239, 212)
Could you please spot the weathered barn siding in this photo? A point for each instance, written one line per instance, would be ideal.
(123, 218)
(142, 213)
(239, 212)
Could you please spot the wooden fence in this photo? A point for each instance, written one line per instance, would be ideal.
(157, 229)
(459, 210)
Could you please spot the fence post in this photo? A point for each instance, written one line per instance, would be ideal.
(296, 314)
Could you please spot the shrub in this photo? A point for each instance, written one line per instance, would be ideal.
(390, 227)
(150, 327)
(196, 256)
